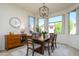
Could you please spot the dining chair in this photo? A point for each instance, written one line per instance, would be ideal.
(48, 43)
(53, 38)
(23, 38)
(41, 43)
(31, 46)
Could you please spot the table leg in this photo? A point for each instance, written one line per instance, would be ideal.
(42, 48)
(48, 49)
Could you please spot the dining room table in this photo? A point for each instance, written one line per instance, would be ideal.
(41, 41)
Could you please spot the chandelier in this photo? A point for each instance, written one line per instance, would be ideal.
(44, 11)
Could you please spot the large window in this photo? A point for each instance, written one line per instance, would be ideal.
(55, 24)
(41, 24)
(31, 23)
(72, 22)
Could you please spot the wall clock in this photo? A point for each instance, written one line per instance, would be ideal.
(15, 22)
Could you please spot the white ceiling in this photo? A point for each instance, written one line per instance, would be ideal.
(53, 7)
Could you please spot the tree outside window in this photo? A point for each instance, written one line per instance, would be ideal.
(55, 24)
(72, 22)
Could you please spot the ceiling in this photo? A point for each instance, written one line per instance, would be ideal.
(53, 7)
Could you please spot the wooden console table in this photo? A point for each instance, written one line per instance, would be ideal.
(12, 41)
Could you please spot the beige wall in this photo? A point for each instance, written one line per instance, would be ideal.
(6, 12)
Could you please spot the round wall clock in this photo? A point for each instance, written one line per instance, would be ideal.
(15, 22)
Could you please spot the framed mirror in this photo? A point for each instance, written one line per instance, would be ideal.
(15, 22)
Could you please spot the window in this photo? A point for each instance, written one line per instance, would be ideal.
(41, 24)
(31, 23)
(55, 24)
(72, 22)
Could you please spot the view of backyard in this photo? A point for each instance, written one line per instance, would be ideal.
(72, 22)
(55, 24)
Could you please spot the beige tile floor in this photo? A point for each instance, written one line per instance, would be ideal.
(61, 50)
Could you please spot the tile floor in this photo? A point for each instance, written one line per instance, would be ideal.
(61, 50)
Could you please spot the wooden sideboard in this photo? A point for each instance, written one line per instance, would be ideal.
(14, 40)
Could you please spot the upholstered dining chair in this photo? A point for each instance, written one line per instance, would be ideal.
(48, 44)
(31, 46)
(53, 38)
(45, 44)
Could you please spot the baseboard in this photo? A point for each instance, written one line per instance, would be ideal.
(67, 45)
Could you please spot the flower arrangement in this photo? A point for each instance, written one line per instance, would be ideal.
(44, 33)
(38, 30)
(41, 32)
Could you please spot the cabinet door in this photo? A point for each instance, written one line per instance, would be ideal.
(17, 44)
(10, 46)
(10, 39)
(17, 39)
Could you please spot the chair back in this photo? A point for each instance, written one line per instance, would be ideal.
(23, 38)
(33, 35)
(55, 37)
(37, 35)
(52, 36)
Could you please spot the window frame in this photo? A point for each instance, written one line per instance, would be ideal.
(69, 22)
(29, 25)
(44, 22)
(56, 22)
